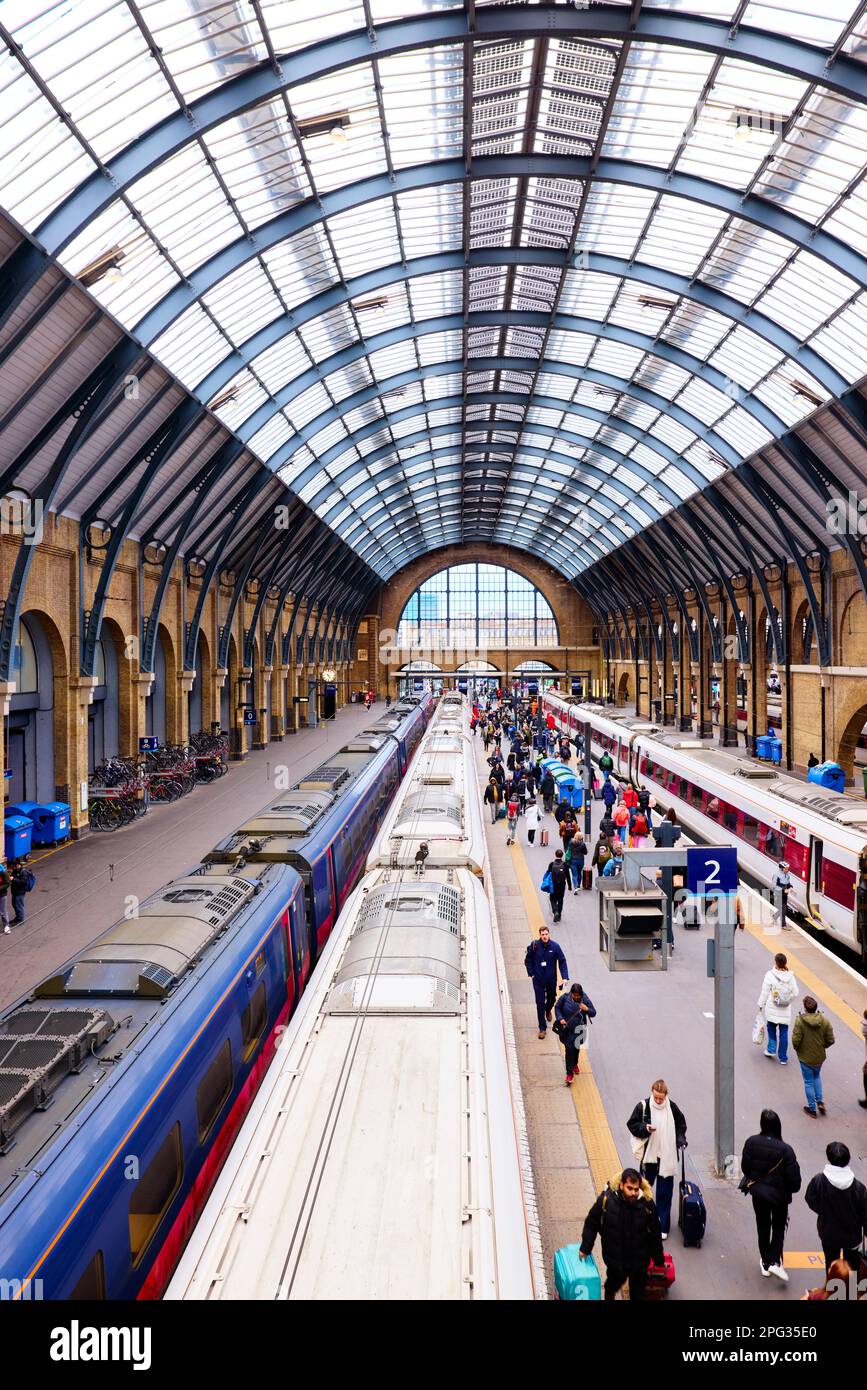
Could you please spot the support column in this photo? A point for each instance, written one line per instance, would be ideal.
(82, 688)
(186, 680)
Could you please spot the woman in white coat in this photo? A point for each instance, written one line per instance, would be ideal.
(779, 991)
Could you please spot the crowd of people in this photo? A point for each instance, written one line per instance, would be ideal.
(633, 1214)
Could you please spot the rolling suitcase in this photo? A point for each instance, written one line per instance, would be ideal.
(587, 878)
(692, 1217)
(543, 837)
(659, 1281)
(576, 1280)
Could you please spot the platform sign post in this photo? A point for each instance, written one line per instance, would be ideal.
(712, 872)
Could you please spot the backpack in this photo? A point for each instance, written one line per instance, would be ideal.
(28, 879)
(782, 993)
(512, 810)
(557, 871)
(639, 826)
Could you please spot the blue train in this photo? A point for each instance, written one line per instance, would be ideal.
(125, 1076)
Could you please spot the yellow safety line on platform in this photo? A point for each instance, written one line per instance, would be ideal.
(817, 987)
(595, 1130)
(804, 1259)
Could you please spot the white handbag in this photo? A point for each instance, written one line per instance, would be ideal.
(759, 1030)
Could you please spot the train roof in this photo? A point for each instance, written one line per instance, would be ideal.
(55, 1047)
(844, 810)
(363, 1171)
(291, 817)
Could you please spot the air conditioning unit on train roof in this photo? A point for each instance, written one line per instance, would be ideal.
(686, 743)
(755, 771)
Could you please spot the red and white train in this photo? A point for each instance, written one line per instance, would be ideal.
(723, 796)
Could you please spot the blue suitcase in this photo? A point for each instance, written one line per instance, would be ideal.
(576, 1280)
(692, 1217)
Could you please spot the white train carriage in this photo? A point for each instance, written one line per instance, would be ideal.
(384, 1156)
(727, 797)
(439, 804)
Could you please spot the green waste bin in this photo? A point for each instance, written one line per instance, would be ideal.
(864, 775)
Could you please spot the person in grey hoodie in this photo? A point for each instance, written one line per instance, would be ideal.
(840, 1203)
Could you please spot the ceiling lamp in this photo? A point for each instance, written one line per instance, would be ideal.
(105, 267)
(801, 389)
(334, 124)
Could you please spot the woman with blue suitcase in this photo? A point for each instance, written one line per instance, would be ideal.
(658, 1130)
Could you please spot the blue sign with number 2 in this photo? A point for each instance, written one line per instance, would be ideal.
(712, 870)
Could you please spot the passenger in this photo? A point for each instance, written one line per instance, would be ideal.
(574, 1012)
(559, 879)
(771, 1176)
(779, 989)
(658, 1130)
(23, 881)
(493, 797)
(631, 1238)
(629, 796)
(615, 863)
(5, 885)
(512, 809)
(601, 855)
(523, 790)
(609, 794)
(782, 883)
(620, 816)
(574, 857)
(564, 811)
(840, 1203)
(607, 826)
(534, 821)
(863, 1103)
(606, 765)
(638, 829)
(541, 961)
(421, 855)
(812, 1035)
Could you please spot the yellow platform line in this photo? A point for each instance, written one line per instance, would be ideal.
(815, 986)
(599, 1144)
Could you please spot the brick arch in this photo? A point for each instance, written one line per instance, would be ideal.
(852, 720)
(852, 631)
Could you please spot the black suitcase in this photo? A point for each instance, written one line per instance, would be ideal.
(587, 878)
(692, 1217)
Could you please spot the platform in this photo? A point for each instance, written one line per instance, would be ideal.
(661, 1024)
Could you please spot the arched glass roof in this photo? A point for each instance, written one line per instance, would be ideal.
(524, 273)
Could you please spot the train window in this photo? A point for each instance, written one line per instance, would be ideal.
(695, 794)
(773, 845)
(713, 808)
(214, 1089)
(91, 1284)
(751, 830)
(730, 818)
(682, 788)
(154, 1193)
(839, 884)
(253, 1021)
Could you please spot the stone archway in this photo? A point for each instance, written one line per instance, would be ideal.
(41, 724)
(848, 744)
(623, 697)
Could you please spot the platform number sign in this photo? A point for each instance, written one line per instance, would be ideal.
(712, 870)
(149, 743)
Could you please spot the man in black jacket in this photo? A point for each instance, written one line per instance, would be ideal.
(630, 1232)
(840, 1203)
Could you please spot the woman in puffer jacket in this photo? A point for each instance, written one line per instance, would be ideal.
(771, 1176)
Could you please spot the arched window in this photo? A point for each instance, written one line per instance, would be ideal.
(477, 606)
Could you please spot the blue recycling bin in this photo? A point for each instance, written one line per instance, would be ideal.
(762, 747)
(50, 819)
(828, 775)
(775, 750)
(17, 831)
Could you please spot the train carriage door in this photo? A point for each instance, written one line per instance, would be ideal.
(814, 877)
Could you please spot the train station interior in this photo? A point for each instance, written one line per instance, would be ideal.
(368, 369)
